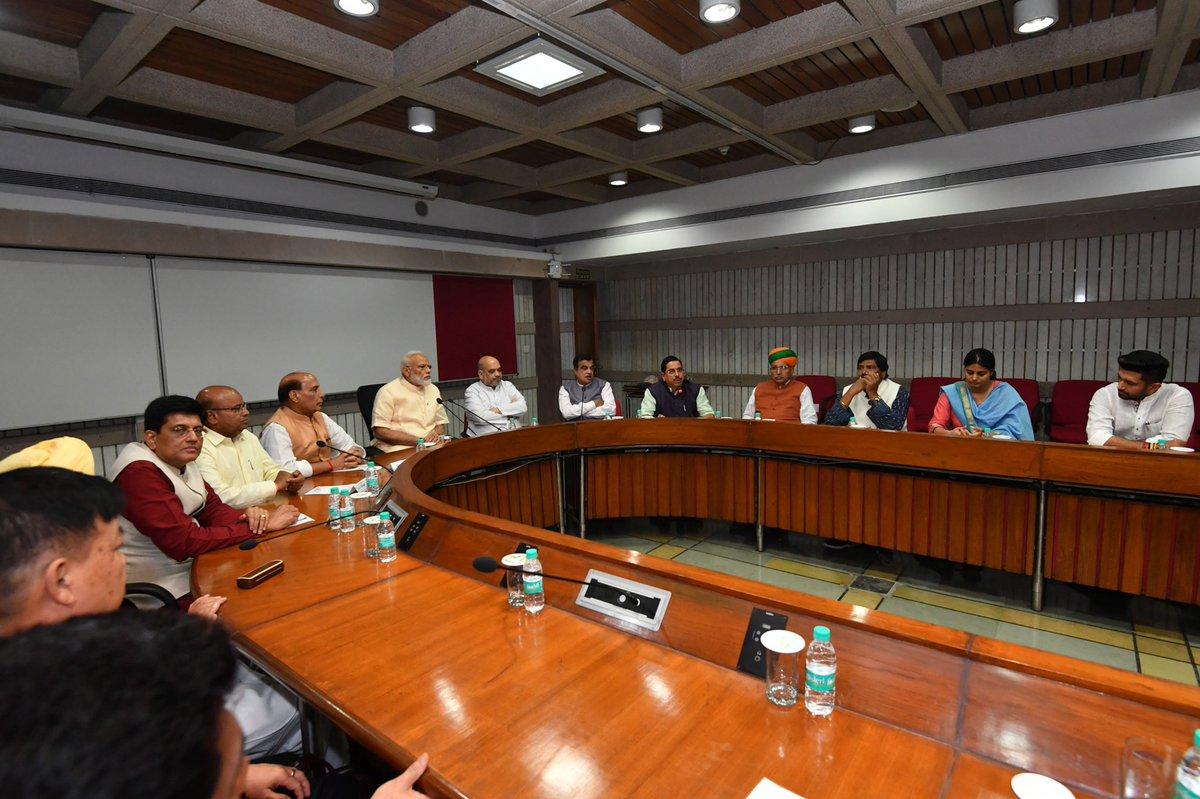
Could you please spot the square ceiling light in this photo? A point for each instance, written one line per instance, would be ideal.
(539, 67)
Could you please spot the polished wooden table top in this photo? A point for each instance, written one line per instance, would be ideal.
(422, 654)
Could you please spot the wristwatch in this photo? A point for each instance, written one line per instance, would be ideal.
(875, 401)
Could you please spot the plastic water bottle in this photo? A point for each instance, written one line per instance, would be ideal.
(535, 599)
(386, 536)
(1187, 785)
(853, 421)
(347, 519)
(420, 444)
(820, 674)
(372, 479)
(757, 416)
(533, 422)
(608, 413)
(335, 510)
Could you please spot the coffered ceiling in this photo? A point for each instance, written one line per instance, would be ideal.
(302, 79)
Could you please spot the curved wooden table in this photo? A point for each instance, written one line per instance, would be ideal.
(423, 654)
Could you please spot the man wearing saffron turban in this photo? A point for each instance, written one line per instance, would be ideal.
(782, 398)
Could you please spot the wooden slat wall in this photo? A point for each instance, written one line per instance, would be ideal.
(1133, 547)
(671, 484)
(527, 495)
(1163, 265)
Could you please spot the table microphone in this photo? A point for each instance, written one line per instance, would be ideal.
(251, 543)
(363, 458)
(488, 565)
(442, 401)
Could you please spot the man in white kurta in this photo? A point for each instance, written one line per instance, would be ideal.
(493, 404)
(1140, 405)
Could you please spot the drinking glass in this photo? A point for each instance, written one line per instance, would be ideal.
(1148, 769)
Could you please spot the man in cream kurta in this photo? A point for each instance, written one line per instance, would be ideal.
(290, 436)
(408, 408)
(232, 460)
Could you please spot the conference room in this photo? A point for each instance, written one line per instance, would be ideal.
(719, 398)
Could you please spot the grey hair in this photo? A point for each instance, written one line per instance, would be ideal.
(407, 359)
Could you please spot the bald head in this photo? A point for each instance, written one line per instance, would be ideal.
(490, 373)
(224, 410)
(301, 392)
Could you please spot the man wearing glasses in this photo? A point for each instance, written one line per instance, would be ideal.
(171, 514)
(232, 460)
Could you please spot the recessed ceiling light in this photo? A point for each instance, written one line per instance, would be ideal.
(539, 67)
(717, 11)
(896, 108)
(618, 178)
(357, 8)
(1031, 16)
(862, 124)
(421, 119)
(650, 120)
(540, 70)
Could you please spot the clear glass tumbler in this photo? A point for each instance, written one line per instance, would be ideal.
(1148, 769)
(785, 672)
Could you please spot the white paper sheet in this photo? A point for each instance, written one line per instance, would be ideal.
(769, 790)
(323, 490)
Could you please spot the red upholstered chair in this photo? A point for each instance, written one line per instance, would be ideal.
(616, 410)
(1194, 441)
(1069, 409)
(922, 397)
(1028, 389)
(824, 392)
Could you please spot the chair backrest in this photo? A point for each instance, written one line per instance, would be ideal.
(922, 397)
(366, 401)
(1194, 388)
(617, 410)
(1069, 409)
(824, 392)
(1028, 389)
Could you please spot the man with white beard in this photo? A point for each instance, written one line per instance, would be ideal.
(408, 408)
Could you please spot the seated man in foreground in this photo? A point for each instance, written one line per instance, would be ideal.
(1140, 406)
(60, 557)
(674, 395)
(232, 460)
(130, 705)
(493, 404)
(290, 436)
(782, 398)
(409, 408)
(874, 399)
(171, 514)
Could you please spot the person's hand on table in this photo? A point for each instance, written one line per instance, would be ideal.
(402, 786)
(258, 518)
(281, 517)
(206, 606)
(288, 481)
(344, 461)
(262, 780)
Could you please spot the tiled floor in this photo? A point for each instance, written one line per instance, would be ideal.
(1161, 639)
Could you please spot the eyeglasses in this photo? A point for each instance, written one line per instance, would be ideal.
(238, 408)
(182, 430)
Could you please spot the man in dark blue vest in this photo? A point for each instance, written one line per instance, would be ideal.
(675, 395)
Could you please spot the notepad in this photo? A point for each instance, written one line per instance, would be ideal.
(769, 790)
(319, 490)
(303, 518)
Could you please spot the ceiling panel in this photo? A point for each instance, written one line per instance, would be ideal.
(713, 156)
(675, 117)
(63, 22)
(21, 90)
(394, 115)
(840, 66)
(145, 116)
(513, 91)
(448, 178)
(333, 153)
(677, 23)
(200, 57)
(536, 196)
(1110, 69)
(836, 129)
(537, 154)
(991, 25)
(396, 22)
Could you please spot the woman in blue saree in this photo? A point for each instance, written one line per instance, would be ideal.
(980, 402)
